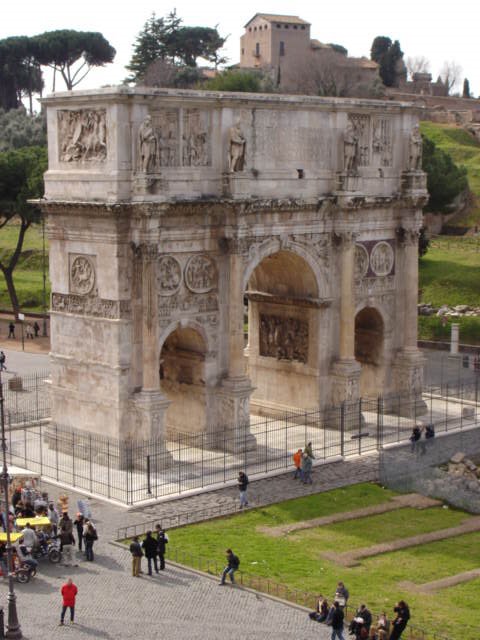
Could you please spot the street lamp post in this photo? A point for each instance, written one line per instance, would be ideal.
(13, 626)
(44, 328)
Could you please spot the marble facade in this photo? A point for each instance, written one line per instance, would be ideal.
(169, 210)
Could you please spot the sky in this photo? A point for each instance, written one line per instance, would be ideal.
(435, 29)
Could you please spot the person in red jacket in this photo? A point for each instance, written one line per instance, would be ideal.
(69, 591)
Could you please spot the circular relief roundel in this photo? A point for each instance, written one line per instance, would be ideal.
(82, 275)
(381, 259)
(201, 274)
(361, 261)
(169, 275)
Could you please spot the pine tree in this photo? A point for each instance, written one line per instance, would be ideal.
(466, 88)
(152, 43)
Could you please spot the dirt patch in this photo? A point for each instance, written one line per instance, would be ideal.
(352, 558)
(442, 583)
(409, 500)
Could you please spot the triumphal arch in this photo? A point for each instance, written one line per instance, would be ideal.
(181, 222)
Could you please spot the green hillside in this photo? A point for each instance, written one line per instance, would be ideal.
(464, 149)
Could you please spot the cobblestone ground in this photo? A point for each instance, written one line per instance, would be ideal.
(177, 603)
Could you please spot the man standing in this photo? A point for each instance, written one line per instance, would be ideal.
(336, 621)
(306, 469)
(162, 541)
(233, 562)
(297, 461)
(137, 553)
(11, 331)
(2, 361)
(69, 592)
(242, 487)
(67, 539)
(149, 545)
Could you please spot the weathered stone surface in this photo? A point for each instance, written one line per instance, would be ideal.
(457, 458)
(167, 209)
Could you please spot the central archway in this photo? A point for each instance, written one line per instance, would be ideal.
(283, 320)
(182, 380)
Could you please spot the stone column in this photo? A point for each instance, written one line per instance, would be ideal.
(409, 363)
(346, 371)
(233, 398)
(151, 404)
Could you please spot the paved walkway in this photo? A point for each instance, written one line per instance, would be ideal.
(408, 500)
(177, 604)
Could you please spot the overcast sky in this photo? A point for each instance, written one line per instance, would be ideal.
(433, 28)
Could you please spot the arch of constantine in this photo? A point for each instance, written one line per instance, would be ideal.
(170, 213)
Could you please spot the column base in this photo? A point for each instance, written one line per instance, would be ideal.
(408, 383)
(345, 375)
(232, 431)
(151, 407)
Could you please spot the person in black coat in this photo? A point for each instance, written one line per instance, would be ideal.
(335, 620)
(149, 545)
(79, 523)
(401, 620)
(162, 541)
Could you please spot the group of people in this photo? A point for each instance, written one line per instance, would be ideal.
(153, 547)
(31, 331)
(417, 443)
(86, 536)
(361, 625)
(303, 462)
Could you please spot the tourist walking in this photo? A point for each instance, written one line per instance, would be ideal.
(79, 523)
(29, 331)
(297, 461)
(67, 540)
(3, 358)
(89, 536)
(402, 617)
(36, 328)
(11, 331)
(336, 618)
(307, 465)
(162, 541)
(52, 515)
(233, 562)
(242, 487)
(69, 593)
(149, 545)
(137, 553)
(309, 450)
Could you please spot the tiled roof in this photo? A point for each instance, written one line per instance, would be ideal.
(271, 17)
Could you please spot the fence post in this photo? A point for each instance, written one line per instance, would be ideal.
(149, 486)
(476, 386)
(73, 458)
(359, 426)
(56, 449)
(446, 407)
(379, 422)
(342, 429)
(41, 451)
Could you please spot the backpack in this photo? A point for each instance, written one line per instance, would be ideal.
(235, 561)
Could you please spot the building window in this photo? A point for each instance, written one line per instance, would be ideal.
(302, 27)
(254, 28)
(279, 26)
(295, 26)
(243, 51)
(257, 49)
(249, 28)
(286, 26)
(282, 48)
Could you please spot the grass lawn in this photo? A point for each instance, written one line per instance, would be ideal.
(450, 272)
(465, 150)
(296, 560)
(28, 276)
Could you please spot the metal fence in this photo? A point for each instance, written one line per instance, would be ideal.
(27, 397)
(132, 472)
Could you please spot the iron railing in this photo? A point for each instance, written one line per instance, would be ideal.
(134, 471)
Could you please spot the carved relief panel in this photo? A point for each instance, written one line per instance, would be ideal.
(374, 259)
(82, 274)
(169, 275)
(382, 142)
(166, 127)
(201, 274)
(195, 138)
(283, 338)
(359, 126)
(82, 135)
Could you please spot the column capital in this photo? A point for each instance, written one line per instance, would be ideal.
(145, 251)
(345, 239)
(407, 236)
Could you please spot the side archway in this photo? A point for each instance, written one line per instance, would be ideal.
(369, 350)
(182, 379)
